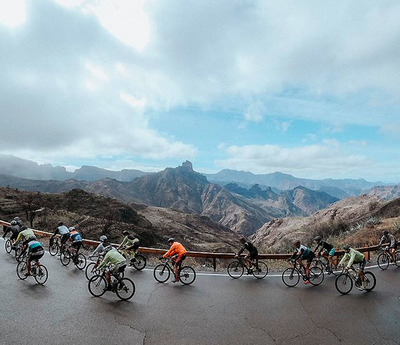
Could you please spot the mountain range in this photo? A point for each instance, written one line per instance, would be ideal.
(233, 205)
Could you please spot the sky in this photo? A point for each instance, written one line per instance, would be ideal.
(307, 88)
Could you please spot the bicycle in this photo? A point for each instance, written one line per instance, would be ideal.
(344, 281)
(69, 253)
(385, 258)
(123, 287)
(139, 261)
(38, 271)
(162, 272)
(236, 268)
(54, 246)
(323, 263)
(291, 275)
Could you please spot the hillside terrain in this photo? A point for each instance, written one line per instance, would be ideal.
(356, 220)
(97, 215)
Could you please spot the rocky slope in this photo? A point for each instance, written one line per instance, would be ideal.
(353, 218)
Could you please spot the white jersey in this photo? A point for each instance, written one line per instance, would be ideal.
(62, 230)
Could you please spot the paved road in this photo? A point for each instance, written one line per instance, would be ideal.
(215, 310)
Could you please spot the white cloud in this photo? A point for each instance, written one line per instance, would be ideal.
(329, 158)
(12, 14)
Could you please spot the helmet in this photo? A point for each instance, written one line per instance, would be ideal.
(385, 233)
(171, 239)
(242, 239)
(296, 244)
(60, 223)
(17, 219)
(126, 233)
(131, 237)
(346, 247)
(318, 239)
(71, 228)
(103, 238)
(108, 248)
(13, 222)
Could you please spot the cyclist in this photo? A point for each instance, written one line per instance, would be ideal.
(35, 252)
(76, 239)
(355, 257)
(386, 237)
(327, 250)
(253, 253)
(303, 253)
(14, 228)
(115, 261)
(26, 234)
(131, 244)
(177, 252)
(100, 249)
(64, 232)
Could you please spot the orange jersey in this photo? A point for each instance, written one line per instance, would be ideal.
(176, 248)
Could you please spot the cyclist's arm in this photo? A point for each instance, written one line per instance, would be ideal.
(170, 252)
(344, 258)
(18, 238)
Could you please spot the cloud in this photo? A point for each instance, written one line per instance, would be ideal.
(323, 160)
(63, 95)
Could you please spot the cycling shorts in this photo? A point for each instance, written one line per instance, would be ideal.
(64, 238)
(332, 252)
(309, 257)
(362, 264)
(13, 236)
(119, 268)
(393, 245)
(180, 259)
(36, 256)
(77, 245)
(253, 255)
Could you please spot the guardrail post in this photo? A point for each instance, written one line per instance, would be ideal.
(215, 264)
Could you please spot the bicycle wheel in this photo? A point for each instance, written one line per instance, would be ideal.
(316, 276)
(90, 270)
(17, 253)
(54, 248)
(97, 285)
(318, 263)
(41, 274)
(383, 261)
(139, 262)
(125, 288)
(397, 258)
(370, 281)
(235, 269)
(344, 283)
(80, 261)
(161, 273)
(261, 271)
(8, 246)
(187, 275)
(21, 269)
(291, 276)
(65, 258)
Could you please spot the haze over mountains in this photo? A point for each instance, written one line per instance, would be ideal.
(235, 206)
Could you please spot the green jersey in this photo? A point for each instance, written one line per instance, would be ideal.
(354, 256)
(113, 257)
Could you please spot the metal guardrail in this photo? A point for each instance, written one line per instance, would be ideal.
(207, 255)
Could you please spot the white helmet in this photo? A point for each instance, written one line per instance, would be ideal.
(103, 238)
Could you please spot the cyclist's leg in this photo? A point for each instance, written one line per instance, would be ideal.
(330, 258)
(28, 264)
(178, 265)
(361, 272)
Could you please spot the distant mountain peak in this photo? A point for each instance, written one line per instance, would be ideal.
(187, 165)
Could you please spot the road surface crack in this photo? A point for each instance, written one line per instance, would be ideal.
(260, 329)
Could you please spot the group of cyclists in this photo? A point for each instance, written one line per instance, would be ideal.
(115, 258)
(305, 254)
